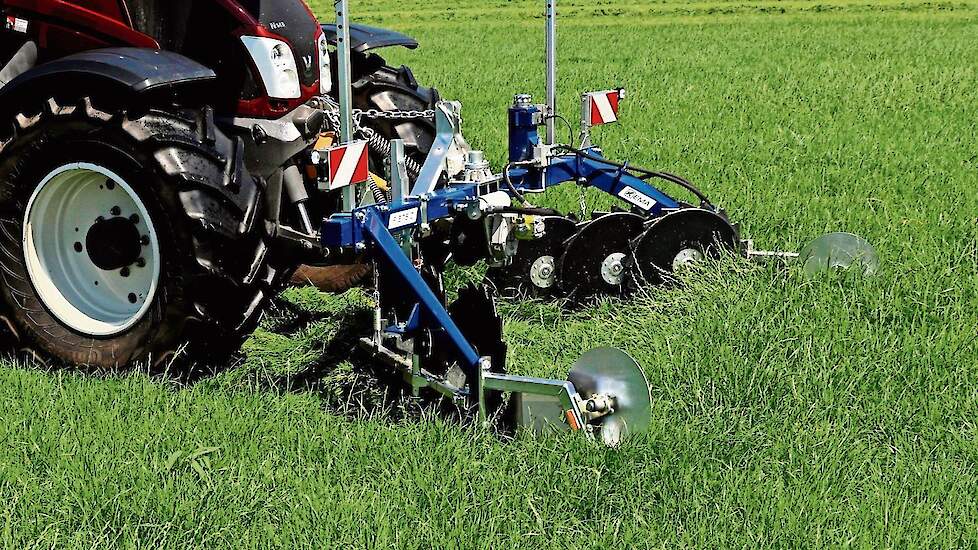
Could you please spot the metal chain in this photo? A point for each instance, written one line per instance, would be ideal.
(378, 142)
(394, 115)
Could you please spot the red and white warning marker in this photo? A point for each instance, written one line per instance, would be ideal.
(348, 164)
(602, 107)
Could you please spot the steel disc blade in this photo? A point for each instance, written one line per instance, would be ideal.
(474, 312)
(533, 269)
(683, 236)
(839, 251)
(612, 372)
(593, 260)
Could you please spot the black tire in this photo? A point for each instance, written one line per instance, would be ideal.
(215, 273)
(377, 85)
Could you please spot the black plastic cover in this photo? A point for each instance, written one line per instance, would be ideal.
(365, 38)
(129, 70)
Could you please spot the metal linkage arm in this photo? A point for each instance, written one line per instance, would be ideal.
(431, 306)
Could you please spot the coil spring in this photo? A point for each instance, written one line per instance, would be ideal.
(378, 143)
(380, 196)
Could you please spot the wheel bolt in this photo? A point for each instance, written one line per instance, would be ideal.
(78, 247)
(124, 272)
(110, 185)
(144, 240)
(140, 262)
(115, 211)
(134, 219)
(132, 298)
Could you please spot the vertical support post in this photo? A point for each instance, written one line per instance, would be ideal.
(551, 69)
(585, 121)
(400, 184)
(345, 88)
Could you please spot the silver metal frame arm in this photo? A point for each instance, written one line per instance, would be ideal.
(345, 88)
(551, 69)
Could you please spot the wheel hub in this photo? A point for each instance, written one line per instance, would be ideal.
(113, 243)
(686, 258)
(542, 272)
(612, 269)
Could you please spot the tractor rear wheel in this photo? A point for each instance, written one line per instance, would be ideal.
(378, 86)
(127, 237)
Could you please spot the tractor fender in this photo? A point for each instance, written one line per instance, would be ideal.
(117, 72)
(364, 38)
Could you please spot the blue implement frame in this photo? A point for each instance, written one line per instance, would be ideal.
(373, 227)
(345, 231)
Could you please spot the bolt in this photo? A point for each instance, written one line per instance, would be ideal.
(141, 262)
(361, 246)
(109, 184)
(134, 219)
(124, 272)
(144, 240)
(78, 247)
(132, 298)
(546, 271)
(616, 268)
(115, 211)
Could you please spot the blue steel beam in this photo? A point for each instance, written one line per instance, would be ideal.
(375, 227)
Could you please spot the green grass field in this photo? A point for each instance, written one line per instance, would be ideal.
(787, 412)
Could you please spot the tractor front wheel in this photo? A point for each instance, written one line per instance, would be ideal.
(128, 238)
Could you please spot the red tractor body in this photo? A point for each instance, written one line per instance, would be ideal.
(207, 31)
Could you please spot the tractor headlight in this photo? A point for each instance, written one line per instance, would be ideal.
(276, 65)
(325, 76)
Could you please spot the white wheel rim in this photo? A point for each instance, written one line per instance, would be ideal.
(61, 213)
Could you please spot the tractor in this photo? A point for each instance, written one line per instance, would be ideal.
(166, 168)
(172, 124)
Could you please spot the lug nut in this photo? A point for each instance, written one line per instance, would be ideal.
(115, 211)
(132, 298)
(140, 262)
(109, 184)
(78, 247)
(124, 272)
(134, 219)
(144, 240)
